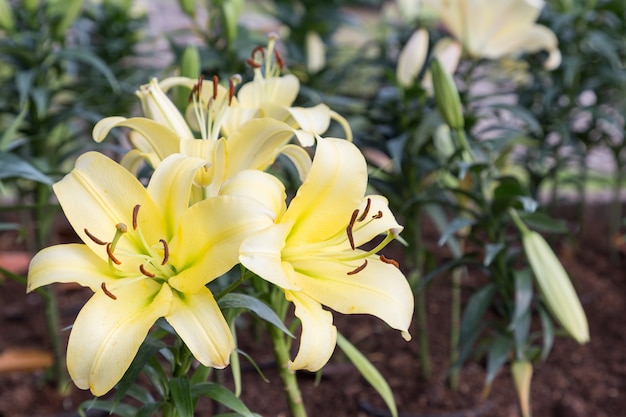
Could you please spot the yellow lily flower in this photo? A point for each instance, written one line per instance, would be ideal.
(253, 145)
(271, 95)
(312, 252)
(495, 29)
(146, 255)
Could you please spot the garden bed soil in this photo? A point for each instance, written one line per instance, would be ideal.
(574, 381)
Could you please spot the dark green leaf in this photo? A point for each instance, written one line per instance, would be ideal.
(146, 351)
(221, 395)
(547, 326)
(234, 300)
(369, 372)
(491, 251)
(12, 166)
(497, 356)
(453, 227)
(478, 303)
(181, 395)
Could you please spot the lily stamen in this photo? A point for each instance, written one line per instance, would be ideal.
(95, 239)
(350, 226)
(107, 292)
(389, 261)
(358, 269)
(111, 256)
(366, 210)
(146, 272)
(216, 81)
(166, 251)
(378, 215)
(135, 213)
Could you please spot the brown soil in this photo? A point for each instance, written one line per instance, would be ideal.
(575, 380)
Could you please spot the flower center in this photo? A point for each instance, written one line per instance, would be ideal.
(154, 258)
(210, 107)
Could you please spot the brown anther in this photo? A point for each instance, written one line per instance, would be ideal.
(378, 215)
(231, 91)
(216, 82)
(193, 93)
(107, 292)
(367, 209)
(258, 49)
(146, 272)
(166, 251)
(279, 59)
(389, 261)
(95, 239)
(135, 212)
(253, 63)
(111, 256)
(349, 228)
(358, 269)
(198, 86)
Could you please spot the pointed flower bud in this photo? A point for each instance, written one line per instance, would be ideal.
(447, 96)
(555, 286)
(522, 372)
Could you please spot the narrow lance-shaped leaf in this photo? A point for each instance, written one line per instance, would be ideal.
(368, 371)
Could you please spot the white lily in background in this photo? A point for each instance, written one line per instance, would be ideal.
(312, 252)
(495, 29)
(147, 255)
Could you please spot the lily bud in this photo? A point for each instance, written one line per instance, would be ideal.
(7, 21)
(412, 58)
(522, 372)
(188, 7)
(70, 11)
(555, 286)
(315, 52)
(447, 96)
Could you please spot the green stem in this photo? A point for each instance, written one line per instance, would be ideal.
(288, 377)
(615, 215)
(455, 326)
(53, 322)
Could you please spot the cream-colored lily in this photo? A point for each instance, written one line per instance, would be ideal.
(271, 95)
(495, 29)
(312, 252)
(147, 255)
(253, 145)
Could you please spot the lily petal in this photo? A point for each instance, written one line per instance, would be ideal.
(98, 194)
(256, 144)
(300, 159)
(162, 139)
(319, 335)
(68, 263)
(314, 120)
(210, 233)
(107, 333)
(380, 289)
(198, 320)
(261, 254)
(325, 201)
(170, 186)
(280, 90)
(260, 186)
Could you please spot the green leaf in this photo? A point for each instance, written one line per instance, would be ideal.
(11, 132)
(93, 60)
(547, 327)
(223, 396)
(369, 372)
(12, 166)
(491, 251)
(474, 311)
(121, 410)
(181, 395)
(259, 308)
(497, 356)
(453, 227)
(146, 351)
(148, 410)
